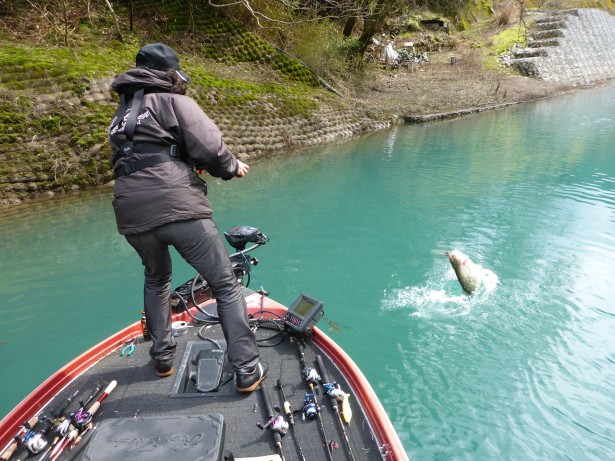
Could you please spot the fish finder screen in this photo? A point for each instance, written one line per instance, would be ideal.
(303, 308)
(303, 314)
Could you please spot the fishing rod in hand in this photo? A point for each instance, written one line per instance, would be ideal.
(333, 400)
(288, 411)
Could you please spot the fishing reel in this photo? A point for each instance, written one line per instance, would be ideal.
(36, 442)
(334, 390)
(310, 407)
(276, 423)
(81, 419)
(311, 375)
(36, 439)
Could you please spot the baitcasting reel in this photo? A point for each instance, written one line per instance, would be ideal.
(310, 407)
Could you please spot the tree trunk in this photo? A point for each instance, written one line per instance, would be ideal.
(349, 26)
(372, 22)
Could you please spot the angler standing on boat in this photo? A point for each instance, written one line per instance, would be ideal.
(159, 137)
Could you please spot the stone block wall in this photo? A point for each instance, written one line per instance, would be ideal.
(249, 135)
(576, 47)
(45, 163)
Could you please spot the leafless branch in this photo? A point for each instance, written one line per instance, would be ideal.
(117, 25)
(312, 13)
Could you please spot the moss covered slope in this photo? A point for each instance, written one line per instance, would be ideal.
(57, 66)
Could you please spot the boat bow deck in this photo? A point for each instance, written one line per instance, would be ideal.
(141, 394)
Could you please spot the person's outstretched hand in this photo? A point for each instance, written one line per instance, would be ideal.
(243, 169)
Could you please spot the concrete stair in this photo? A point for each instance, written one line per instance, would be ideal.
(571, 47)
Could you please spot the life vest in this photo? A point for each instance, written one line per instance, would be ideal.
(158, 153)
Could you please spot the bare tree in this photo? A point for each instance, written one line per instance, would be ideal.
(373, 13)
(298, 12)
(56, 14)
(61, 18)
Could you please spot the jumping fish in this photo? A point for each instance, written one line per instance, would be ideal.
(470, 275)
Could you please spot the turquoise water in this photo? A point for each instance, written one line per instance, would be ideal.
(523, 370)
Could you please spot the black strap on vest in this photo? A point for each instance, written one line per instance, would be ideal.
(131, 123)
(160, 153)
(129, 167)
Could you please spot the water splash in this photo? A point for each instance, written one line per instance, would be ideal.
(440, 296)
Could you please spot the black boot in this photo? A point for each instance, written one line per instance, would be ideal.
(164, 367)
(247, 382)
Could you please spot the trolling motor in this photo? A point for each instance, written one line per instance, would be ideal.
(298, 320)
(238, 237)
(304, 313)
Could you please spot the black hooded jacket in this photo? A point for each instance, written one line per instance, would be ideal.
(169, 191)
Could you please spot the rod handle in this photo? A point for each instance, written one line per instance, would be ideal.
(13, 446)
(9, 451)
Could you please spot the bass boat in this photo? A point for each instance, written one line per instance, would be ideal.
(108, 404)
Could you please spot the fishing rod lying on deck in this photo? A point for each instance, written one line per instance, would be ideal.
(83, 423)
(311, 403)
(288, 411)
(275, 422)
(25, 428)
(53, 433)
(330, 389)
(63, 422)
(34, 440)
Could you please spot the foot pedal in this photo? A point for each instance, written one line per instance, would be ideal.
(209, 366)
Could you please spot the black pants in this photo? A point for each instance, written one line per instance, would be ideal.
(199, 242)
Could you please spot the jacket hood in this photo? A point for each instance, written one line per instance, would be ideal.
(137, 78)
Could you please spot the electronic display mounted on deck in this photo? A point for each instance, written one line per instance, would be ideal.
(303, 314)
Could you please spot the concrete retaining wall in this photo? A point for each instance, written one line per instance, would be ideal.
(577, 47)
(248, 135)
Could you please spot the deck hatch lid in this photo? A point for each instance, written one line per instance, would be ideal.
(159, 438)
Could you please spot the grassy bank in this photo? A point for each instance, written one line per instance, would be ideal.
(55, 102)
